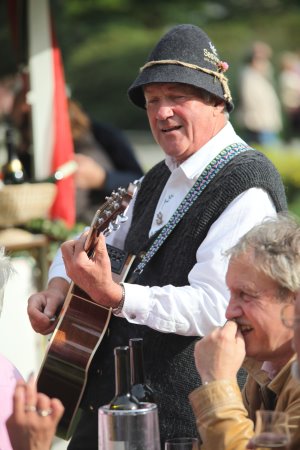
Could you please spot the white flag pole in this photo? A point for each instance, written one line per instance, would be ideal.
(41, 91)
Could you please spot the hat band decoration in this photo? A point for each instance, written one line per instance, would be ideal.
(222, 67)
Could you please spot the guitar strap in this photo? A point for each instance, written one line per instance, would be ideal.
(204, 179)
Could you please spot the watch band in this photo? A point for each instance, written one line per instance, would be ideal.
(119, 308)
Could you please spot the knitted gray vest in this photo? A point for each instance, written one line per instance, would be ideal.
(169, 360)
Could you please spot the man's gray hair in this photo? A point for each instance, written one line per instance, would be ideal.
(5, 271)
(276, 247)
(5, 268)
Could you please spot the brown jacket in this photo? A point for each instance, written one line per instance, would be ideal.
(295, 444)
(225, 417)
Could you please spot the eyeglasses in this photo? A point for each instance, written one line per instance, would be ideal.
(288, 317)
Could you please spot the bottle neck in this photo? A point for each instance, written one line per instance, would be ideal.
(12, 170)
(122, 370)
(137, 363)
(10, 147)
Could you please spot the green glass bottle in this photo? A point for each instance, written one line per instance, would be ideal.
(12, 171)
(139, 388)
(123, 399)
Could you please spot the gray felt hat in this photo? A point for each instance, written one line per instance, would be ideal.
(185, 54)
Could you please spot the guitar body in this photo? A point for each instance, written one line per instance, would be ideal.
(81, 326)
(80, 329)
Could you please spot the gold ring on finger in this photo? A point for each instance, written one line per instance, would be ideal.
(30, 408)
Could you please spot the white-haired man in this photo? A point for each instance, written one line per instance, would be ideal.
(263, 276)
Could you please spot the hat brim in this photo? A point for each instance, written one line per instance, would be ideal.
(171, 73)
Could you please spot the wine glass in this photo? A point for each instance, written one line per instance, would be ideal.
(183, 443)
(271, 430)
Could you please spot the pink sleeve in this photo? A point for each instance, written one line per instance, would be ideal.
(9, 375)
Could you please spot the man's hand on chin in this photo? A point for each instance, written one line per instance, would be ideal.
(220, 354)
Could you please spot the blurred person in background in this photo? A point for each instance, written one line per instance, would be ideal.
(20, 120)
(289, 84)
(8, 86)
(259, 112)
(105, 158)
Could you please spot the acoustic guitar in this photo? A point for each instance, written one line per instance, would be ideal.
(82, 323)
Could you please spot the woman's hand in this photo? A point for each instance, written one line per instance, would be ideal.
(35, 416)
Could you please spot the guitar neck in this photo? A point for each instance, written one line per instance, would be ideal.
(109, 217)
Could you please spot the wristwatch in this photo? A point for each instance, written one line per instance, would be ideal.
(119, 308)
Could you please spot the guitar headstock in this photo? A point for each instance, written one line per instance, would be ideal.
(109, 216)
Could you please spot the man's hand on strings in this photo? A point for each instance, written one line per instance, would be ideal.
(93, 275)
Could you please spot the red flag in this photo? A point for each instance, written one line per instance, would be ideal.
(63, 149)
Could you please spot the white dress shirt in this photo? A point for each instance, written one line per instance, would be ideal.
(200, 306)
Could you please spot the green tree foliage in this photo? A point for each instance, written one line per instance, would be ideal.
(104, 42)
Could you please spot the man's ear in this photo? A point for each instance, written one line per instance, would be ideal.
(294, 296)
(219, 107)
(291, 298)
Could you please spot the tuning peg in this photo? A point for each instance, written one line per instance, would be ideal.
(108, 198)
(116, 205)
(115, 195)
(122, 218)
(107, 231)
(107, 212)
(100, 221)
(115, 225)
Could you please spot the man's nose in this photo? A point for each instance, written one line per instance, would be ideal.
(233, 310)
(164, 111)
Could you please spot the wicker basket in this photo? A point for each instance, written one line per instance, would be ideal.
(23, 202)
